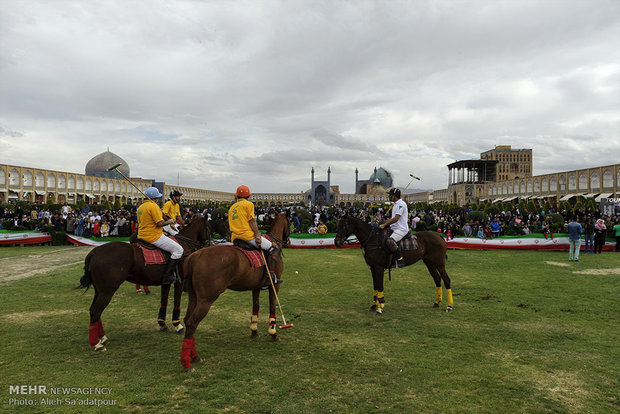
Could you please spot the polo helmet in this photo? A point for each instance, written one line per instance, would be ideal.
(152, 193)
(243, 191)
(395, 192)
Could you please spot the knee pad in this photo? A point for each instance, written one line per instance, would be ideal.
(391, 245)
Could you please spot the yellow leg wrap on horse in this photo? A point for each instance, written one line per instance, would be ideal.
(272, 326)
(254, 323)
(374, 297)
(380, 300)
(438, 296)
(450, 301)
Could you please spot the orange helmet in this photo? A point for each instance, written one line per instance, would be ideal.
(243, 191)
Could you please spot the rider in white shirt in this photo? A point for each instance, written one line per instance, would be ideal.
(398, 221)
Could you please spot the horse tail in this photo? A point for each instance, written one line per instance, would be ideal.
(86, 280)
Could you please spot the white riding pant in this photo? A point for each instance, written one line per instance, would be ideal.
(398, 235)
(169, 245)
(264, 243)
(170, 230)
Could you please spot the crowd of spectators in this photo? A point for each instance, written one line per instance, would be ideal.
(451, 222)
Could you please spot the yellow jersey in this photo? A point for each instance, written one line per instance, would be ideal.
(149, 215)
(172, 209)
(239, 216)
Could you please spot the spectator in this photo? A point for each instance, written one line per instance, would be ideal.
(467, 230)
(574, 238)
(588, 230)
(495, 227)
(599, 235)
(617, 234)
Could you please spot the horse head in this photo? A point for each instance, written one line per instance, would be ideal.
(280, 229)
(343, 230)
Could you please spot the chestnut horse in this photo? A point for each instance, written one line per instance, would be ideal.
(209, 272)
(107, 266)
(431, 250)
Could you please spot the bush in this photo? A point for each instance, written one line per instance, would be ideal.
(332, 226)
(477, 216)
(219, 213)
(557, 222)
(491, 209)
(513, 231)
(7, 224)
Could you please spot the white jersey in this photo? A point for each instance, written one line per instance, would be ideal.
(400, 207)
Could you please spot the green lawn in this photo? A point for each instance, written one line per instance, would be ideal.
(528, 334)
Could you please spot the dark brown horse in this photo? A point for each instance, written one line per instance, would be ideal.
(107, 266)
(220, 226)
(431, 250)
(209, 272)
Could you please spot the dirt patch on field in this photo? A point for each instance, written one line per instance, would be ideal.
(558, 264)
(27, 317)
(599, 272)
(20, 267)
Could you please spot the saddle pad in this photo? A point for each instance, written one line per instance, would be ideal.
(409, 243)
(254, 256)
(152, 256)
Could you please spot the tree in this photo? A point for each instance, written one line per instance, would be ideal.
(531, 207)
(117, 204)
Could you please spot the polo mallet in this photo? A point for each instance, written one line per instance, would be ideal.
(413, 177)
(286, 325)
(115, 168)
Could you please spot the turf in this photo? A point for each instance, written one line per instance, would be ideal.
(529, 333)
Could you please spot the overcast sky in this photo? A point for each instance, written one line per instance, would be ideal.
(257, 92)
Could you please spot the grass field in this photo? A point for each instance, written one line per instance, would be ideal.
(531, 332)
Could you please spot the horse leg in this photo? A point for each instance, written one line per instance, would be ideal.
(254, 317)
(436, 275)
(377, 279)
(96, 334)
(161, 317)
(188, 350)
(446, 283)
(176, 312)
(272, 313)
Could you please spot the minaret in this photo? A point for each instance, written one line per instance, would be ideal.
(356, 175)
(312, 187)
(329, 188)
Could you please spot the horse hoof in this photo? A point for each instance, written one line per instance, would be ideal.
(188, 369)
(104, 340)
(275, 338)
(163, 328)
(99, 348)
(196, 360)
(435, 305)
(449, 309)
(379, 313)
(373, 308)
(179, 328)
(254, 334)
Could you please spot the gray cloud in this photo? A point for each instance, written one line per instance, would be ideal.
(223, 92)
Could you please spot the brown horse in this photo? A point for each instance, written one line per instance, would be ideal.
(431, 250)
(107, 266)
(209, 272)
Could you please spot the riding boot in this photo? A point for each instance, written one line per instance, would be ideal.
(400, 261)
(169, 275)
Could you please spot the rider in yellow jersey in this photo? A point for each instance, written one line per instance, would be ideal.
(172, 210)
(243, 226)
(150, 223)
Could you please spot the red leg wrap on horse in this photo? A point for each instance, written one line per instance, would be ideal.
(255, 313)
(272, 315)
(93, 339)
(100, 331)
(193, 354)
(185, 352)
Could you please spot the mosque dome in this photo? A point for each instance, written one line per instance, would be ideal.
(381, 176)
(99, 164)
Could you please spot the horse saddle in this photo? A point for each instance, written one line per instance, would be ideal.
(409, 242)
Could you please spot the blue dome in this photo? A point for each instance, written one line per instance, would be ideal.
(383, 176)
